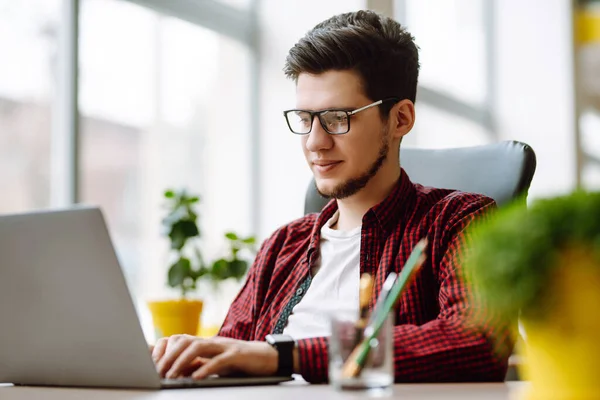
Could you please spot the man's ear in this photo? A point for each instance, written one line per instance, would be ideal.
(402, 118)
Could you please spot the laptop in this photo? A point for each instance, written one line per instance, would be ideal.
(66, 315)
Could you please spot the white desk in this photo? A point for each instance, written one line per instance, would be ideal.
(287, 391)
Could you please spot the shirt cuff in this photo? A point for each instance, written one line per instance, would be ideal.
(313, 359)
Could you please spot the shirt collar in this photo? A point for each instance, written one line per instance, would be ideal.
(394, 206)
(385, 214)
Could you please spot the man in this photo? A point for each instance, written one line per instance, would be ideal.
(356, 79)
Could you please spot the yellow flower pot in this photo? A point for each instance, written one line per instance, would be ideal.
(174, 317)
(587, 25)
(562, 351)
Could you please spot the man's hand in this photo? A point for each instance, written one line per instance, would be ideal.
(185, 355)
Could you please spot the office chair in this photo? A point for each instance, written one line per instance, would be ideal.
(502, 171)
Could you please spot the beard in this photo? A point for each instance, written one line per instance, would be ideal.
(353, 185)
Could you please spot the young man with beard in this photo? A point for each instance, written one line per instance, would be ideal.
(356, 81)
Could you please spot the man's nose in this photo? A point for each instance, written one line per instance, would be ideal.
(318, 138)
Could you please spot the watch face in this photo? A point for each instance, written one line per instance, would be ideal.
(274, 339)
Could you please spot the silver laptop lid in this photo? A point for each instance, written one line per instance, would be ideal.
(66, 315)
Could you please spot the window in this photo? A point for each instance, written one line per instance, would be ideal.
(164, 104)
(452, 41)
(435, 128)
(27, 85)
(454, 97)
(587, 61)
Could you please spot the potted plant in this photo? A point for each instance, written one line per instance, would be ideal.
(188, 268)
(542, 265)
(182, 315)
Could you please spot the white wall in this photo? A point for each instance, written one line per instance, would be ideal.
(535, 95)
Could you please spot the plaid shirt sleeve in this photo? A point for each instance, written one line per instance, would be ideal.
(447, 349)
(452, 348)
(243, 313)
(239, 322)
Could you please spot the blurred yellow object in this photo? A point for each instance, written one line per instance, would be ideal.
(562, 351)
(587, 26)
(174, 317)
(208, 331)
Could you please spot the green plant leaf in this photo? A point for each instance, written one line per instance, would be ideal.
(174, 216)
(179, 271)
(220, 270)
(177, 239)
(199, 273)
(238, 268)
(231, 236)
(191, 215)
(181, 231)
(189, 228)
(249, 240)
(180, 226)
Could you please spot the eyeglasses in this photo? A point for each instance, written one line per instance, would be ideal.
(335, 122)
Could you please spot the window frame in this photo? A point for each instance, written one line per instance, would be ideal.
(238, 24)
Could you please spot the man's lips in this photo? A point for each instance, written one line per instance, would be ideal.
(323, 166)
(325, 163)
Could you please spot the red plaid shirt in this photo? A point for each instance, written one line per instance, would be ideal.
(433, 337)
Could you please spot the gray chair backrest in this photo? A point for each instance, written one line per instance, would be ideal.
(502, 171)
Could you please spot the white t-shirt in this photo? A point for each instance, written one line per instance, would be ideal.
(334, 287)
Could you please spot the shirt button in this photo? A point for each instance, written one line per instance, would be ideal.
(299, 291)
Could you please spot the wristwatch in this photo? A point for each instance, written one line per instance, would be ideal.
(284, 344)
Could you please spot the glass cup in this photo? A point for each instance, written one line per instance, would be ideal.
(377, 373)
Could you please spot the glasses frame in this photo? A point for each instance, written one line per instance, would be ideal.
(318, 114)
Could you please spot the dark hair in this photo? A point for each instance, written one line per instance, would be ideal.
(378, 48)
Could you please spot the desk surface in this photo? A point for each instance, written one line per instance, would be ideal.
(287, 391)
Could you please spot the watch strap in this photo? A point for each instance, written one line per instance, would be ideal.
(284, 344)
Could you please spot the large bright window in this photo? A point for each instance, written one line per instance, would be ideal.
(587, 61)
(28, 49)
(452, 40)
(164, 104)
(453, 101)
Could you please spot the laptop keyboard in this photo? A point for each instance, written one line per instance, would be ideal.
(222, 381)
(182, 382)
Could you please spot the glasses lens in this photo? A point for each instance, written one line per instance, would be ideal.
(335, 121)
(299, 121)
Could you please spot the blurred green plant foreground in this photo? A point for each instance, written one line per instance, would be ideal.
(515, 253)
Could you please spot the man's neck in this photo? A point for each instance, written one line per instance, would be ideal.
(353, 208)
